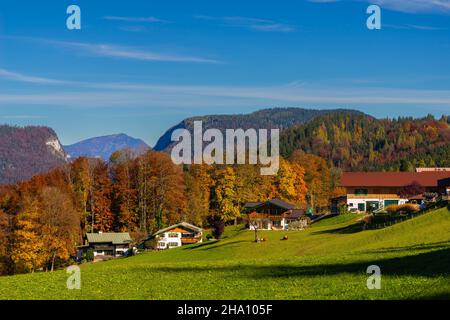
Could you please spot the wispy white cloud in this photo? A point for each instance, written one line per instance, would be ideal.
(250, 23)
(135, 19)
(22, 117)
(415, 6)
(413, 27)
(26, 78)
(132, 28)
(408, 6)
(154, 95)
(124, 52)
(119, 51)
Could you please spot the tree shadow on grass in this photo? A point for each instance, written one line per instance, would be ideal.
(432, 264)
(439, 296)
(419, 247)
(207, 245)
(200, 245)
(353, 228)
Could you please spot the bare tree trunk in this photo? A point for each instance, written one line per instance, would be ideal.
(53, 262)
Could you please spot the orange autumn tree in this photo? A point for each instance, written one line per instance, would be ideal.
(101, 199)
(318, 178)
(82, 187)
(290, 183)
(224, 199)
(162, 189)
(59, 224)
(123, 195)
(28, 248)
(198, 190)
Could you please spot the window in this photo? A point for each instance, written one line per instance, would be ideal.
(162, 244)
(361, 207)
(173, 244)
(187, 235)
(173, 235)
(361, 192)
(388, 203)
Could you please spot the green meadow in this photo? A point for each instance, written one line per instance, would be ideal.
(327, 261)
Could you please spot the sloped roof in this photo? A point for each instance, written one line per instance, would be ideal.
(276, 202)
(296, 213)
(109, 237)
(250, 205)
(281, 204)
(392, 179)
(183, 225)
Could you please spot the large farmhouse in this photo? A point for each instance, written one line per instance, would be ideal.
(444, 184)
(370, 191)
(107, 243)
(178, 235)
(273, 214)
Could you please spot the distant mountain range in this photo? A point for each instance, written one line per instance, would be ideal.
(276, 118)
(103, 147)
(349, 139)
(27, 151)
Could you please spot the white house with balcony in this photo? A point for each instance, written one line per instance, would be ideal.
(177, 235)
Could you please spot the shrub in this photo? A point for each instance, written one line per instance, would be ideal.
(217, 225)
(89, 255)
(299, 224)
(393, 208)
(409, 208)
(406, 208)
(209, 236)
(368, 219)
(150, 244)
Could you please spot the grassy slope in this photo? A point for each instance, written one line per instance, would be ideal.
(328, 261)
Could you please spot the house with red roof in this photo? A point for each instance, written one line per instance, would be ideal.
(370, 191)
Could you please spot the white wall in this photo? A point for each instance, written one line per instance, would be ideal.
(355, 202)
(164, 238)
(269, 225)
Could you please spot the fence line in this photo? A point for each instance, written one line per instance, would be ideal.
(438, 205)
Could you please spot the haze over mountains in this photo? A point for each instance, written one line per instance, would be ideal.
(103, 147)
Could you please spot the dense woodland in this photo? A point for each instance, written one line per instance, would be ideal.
(275, 118)
(360, 143)
(44, 219)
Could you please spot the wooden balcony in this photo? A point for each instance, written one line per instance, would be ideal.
(189, 240)
(373, 196)
(266, 216)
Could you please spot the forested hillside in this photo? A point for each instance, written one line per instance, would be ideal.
(276, 118)
(357, 142)
(27, 151)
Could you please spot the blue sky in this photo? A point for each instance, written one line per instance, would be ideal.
(139, 67)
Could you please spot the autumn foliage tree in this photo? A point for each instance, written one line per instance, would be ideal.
(102, 218)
